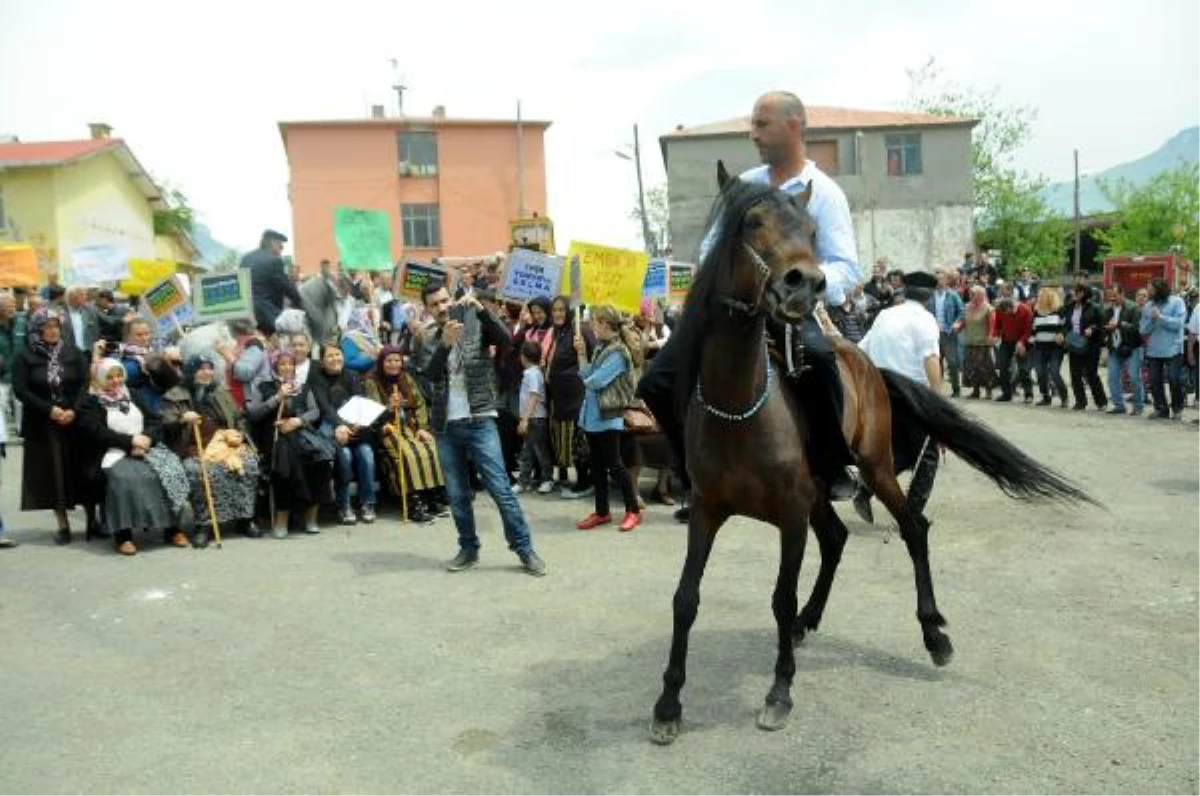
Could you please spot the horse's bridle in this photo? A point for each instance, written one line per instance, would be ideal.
(763, 279)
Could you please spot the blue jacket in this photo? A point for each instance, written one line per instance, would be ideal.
(605, 366)
(952, 310)
(1166, 333)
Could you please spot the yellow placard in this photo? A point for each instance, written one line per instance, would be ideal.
(610, 276)
(145, 274)
(18, 265)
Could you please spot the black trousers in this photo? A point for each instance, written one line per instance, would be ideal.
(1085, 369)
(605, 449)
(1007, 355)
(657, 389)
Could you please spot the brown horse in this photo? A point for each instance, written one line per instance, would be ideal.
(746, 433)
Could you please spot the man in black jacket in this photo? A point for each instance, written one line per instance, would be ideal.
(1121, 318)
(463, 416)
(269, 282)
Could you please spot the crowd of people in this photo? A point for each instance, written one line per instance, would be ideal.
(1007, 341)
(246, 432)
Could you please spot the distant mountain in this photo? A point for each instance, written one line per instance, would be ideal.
(212, 251)
(1060, 195)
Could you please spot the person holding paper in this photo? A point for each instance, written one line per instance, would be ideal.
(407, 443)
(333, 385)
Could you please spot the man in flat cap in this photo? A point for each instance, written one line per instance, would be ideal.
(269, 282)
(904, 339)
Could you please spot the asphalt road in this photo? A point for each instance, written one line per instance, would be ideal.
(352, 662)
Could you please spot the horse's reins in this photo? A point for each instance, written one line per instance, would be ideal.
(764, 274)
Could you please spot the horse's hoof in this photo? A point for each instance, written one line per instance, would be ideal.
(773, 716)
(941, 651)
(664, 733)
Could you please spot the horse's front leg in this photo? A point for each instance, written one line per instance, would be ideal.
(792, 536)
(831, 535)
(703, 525)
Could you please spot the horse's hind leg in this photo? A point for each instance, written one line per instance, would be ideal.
(831, 535)
(778, 704)
(702, 532)
(914, 529)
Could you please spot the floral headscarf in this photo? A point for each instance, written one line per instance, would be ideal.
(361, 328)
(199, 392)
(110, 397)
(387, 383)
(276, 357)
(52, 351)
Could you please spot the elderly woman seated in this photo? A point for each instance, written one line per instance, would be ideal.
(203, 426)
(145, 484)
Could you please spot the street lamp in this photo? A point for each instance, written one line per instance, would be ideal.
(637, 161)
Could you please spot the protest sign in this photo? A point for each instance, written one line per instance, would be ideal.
(531, 274)
(610, 276)
(173, 320)
(655, 285)
(415, 276)
(18, 265)
(364, 238)
(222, 297)
(165, 297)
(681, 282)
(97, 263)
(144, 274)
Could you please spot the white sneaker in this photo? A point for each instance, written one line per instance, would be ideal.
(545, 488)
(518, 489)
(279, 533)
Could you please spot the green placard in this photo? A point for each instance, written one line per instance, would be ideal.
(364, 238)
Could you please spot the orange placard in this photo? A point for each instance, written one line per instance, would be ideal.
(18, 266)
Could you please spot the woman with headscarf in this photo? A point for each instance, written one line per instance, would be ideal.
(145, 485)
(333, 385)
(281, 410)
(407, 441)
(564, 391)
(979, 370)
(48, 377)
(533, 324)
(199, 402)
(360, 342)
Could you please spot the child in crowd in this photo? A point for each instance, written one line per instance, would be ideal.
(534, 425)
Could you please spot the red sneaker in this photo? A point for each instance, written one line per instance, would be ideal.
(592, 520)
(632, 520)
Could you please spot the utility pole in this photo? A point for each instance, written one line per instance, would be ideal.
(1077, 225)
(521, 210)
(637, 160)
(398, 86)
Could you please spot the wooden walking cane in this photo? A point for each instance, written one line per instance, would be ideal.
(208, 496)
(400, 451)
(274, 443)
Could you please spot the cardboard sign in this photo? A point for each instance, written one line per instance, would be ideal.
(655, 285)
(18, 265)
(531, 274)
(364, 238)
(414, 276)
(97, 263)
(144, 274)
(223, 297)
(681, 282)
(165, 297)
(610, 276)
(173, 321)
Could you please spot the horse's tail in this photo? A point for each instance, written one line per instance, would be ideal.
(1017, 475)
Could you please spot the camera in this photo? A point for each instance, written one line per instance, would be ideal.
(458, 313)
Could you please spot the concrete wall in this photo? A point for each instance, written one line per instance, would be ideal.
(357, 166)
(97, 202)
(918, 221)
(29, 210)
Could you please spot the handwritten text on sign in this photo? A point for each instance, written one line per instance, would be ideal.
(531, 274)
(364, 238)
(610, 276)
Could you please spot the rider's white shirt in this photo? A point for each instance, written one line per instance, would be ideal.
(901, 338)
(830, 212)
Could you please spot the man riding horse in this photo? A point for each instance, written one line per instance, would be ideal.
(777, 129)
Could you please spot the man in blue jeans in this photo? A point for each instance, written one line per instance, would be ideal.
(463, 417)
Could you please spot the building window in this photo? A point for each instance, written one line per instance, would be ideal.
(418, 154)
(903, 154)
(422, 226)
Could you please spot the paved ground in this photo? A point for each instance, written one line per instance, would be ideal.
(351, 662)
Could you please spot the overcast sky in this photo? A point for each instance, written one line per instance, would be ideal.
(198, 94)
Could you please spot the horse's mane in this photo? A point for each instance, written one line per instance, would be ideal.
(725, 220)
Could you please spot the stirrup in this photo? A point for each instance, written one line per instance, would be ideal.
(794, 369)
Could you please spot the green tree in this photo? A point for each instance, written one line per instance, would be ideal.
(1010, 213)
(177, 218)
(1157, 216)
(658, 214)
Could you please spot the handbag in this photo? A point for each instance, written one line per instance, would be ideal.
(617, 396)
(315, 448)
(639, 421)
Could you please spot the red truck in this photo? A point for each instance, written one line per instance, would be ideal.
(1131, 272)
